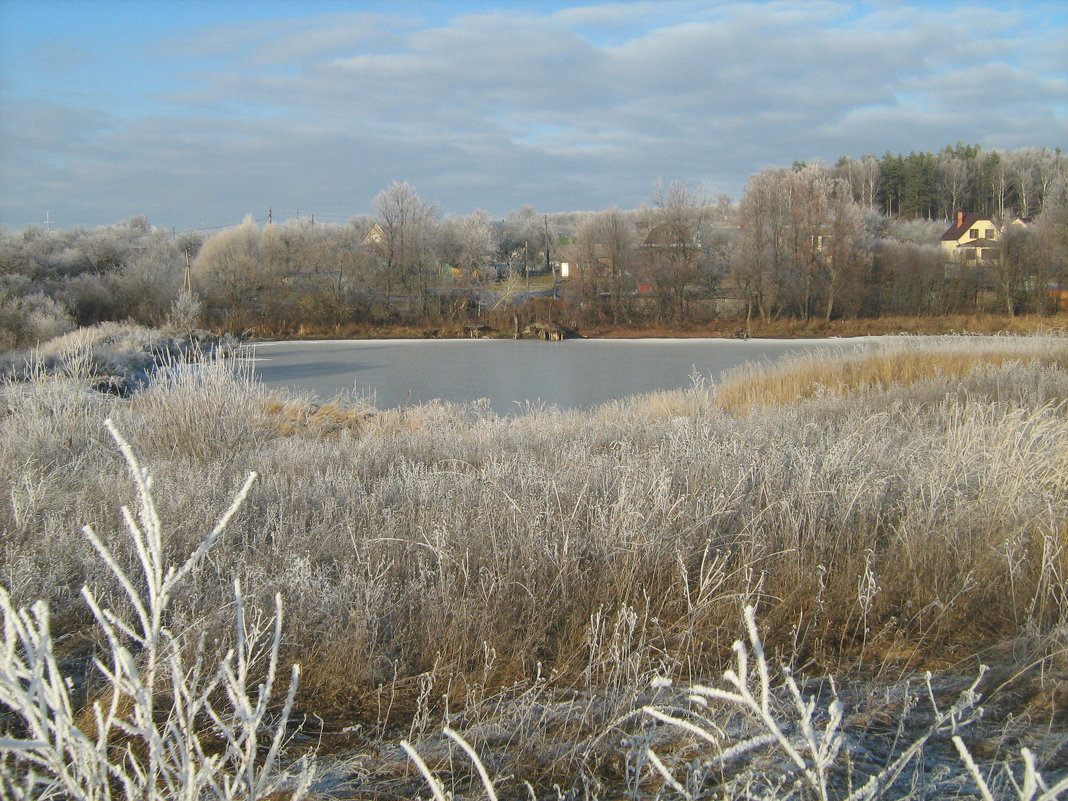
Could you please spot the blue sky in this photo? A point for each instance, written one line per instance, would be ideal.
(198, 112)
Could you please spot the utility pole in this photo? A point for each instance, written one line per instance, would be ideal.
(48, 222)
(270, 216)
(548, 266)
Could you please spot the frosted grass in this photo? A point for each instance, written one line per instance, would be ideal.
(523, 581)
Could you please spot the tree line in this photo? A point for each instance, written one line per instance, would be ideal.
(994, 183)
(812, 241)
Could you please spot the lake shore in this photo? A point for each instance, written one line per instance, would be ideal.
(787, 328)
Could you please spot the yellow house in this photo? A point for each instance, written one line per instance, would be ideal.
(972, 237)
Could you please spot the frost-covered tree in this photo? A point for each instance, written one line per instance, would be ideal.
(863, 177)
(148, 281)
(673, 224)
(1051, 231)
(468, 244)
(404, 247)
(800, 244)
(843, 253)
(605, 253)
(233, 275)
(955, 177)
(334, 273)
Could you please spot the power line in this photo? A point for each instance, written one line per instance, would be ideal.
(217, 227)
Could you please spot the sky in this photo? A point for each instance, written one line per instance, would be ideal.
(197, 113)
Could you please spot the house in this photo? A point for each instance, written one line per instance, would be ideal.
(972, 237)
(375, 235)
(672, 235)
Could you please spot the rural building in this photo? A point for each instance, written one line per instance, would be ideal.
(972, 238)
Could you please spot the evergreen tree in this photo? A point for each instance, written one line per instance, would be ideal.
(893, 171)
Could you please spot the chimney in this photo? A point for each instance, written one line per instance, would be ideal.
(960, 218)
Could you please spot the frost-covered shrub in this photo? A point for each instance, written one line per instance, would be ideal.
(120, 358)
(184, 313)
(176, 717)
(31, 319)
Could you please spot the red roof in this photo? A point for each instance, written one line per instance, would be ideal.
(955, 231)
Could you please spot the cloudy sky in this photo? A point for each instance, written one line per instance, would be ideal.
(198, 112)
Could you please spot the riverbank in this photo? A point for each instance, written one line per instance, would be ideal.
(791, 328)
(786, 328)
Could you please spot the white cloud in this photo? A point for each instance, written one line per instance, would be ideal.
(581, 108)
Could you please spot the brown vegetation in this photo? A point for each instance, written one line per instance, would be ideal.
(792, 328)
(522, 580)
(502, 324)
(878, 369)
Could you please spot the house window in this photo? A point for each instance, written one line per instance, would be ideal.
(974, 233)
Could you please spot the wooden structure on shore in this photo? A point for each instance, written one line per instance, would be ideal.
(553, 332)
(477, 330)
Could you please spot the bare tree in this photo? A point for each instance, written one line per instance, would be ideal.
(329, 272)
(1021, 166)
(863, 177)
(149, 279)
(1052, 234)
(468, 244)
(807, 191)
(404, 247)
(605, 248)
(841, 248)
(674, 223)
(998, 183)
(586, 253)
(619, 236)
(1012, 265)
(1051, 167)
(956, 179)
(759, 259)
(871, 177)
(800, 242)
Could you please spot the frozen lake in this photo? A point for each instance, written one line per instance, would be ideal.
(577, 373)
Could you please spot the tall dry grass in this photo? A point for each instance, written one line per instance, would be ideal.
(175, 718)
(522, 580)
(121, 358)
(887, 362)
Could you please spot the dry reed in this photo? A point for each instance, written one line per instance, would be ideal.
(887, 362)
(523, 579)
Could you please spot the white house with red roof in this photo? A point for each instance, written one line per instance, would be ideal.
(972, 237)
